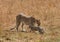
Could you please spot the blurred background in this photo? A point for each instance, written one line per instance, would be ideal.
(48, 11)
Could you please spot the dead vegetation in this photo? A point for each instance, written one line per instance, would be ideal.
(48, 11)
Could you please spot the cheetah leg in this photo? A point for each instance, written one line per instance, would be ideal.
(22, 26)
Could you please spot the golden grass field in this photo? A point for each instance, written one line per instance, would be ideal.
(48, 11)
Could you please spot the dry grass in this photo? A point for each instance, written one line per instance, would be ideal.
(9, 36)
(48, 11)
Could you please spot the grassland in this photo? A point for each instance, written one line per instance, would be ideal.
(48, 11)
